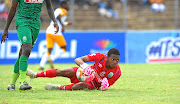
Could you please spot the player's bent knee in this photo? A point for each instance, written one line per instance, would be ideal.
(80, 86)
(59, 72)
(26, 52)
(64, 48)
(26, 49)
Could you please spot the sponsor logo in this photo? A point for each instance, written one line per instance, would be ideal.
(102, 46)
(100, 65)
(44, 73)
(10, 50)
(93, 54)
(165, 50)
(105, 44)
(24, 38)
(110, 75)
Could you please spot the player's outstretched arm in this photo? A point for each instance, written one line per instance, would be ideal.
(9, 19)
(51, 14)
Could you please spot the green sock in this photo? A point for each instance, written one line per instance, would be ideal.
(14, 78)
(16, 72)
(16, 66)
(23, 63)
(22, 76)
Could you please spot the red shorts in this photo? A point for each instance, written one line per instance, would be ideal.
(74, 79)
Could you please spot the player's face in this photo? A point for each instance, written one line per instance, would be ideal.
(112, 61)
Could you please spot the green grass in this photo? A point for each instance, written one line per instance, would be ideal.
(139, 84)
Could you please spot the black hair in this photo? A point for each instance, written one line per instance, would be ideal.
(113, 51)
(63, 3)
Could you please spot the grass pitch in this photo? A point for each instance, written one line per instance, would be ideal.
(138, 84)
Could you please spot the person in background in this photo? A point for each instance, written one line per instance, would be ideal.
(106, 8)
(52, 37)
(3, 10)
(157, 5)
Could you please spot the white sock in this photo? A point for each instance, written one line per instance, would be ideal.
(56, 55)
(44, 60)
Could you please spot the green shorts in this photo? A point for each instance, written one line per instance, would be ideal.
(27, 34)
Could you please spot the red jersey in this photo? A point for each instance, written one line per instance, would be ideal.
(99, 66)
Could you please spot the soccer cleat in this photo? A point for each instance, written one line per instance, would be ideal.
(49, 86)
(31, 74)
(40, 68)
(51, 63)
(24, 86)
(11, 87)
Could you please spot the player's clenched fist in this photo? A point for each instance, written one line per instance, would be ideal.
(88, 72)
(104, 84)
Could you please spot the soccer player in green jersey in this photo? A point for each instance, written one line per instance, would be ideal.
(28, 26)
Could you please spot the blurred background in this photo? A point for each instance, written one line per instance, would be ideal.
(112, 14)
(143, 30)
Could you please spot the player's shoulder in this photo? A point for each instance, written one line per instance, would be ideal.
(57, 10)
(98, 54)
(118, 67)
(63, 11)
(102, 55)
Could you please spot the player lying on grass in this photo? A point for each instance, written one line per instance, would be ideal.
(106, 69)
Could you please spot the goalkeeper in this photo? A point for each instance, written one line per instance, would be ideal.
(101, 75)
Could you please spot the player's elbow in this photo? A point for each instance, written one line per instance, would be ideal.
(76, 60)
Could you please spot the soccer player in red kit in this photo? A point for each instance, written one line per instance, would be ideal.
(106, 69)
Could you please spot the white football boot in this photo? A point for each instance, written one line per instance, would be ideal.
(31, 74)
(49, 86)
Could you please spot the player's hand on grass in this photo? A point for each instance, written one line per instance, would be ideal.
(56, 27)
(104, 84)
(4, 36)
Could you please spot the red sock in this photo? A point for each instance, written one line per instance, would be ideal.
(49, 73)
(66, 87)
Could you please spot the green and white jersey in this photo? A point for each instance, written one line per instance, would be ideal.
(29, 13)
